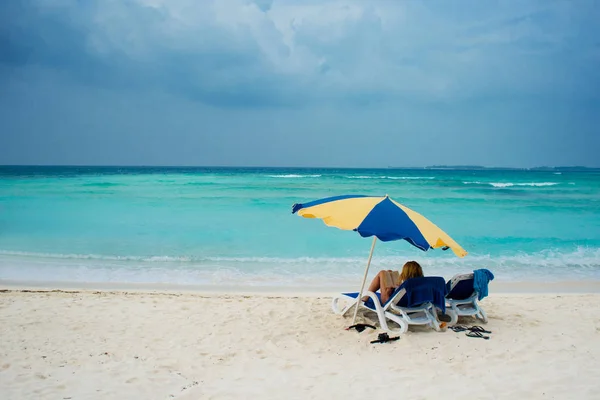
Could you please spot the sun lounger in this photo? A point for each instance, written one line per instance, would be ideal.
(462, 298)
(413, 303)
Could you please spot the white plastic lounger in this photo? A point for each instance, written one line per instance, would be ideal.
(461, 299)
(396, 309)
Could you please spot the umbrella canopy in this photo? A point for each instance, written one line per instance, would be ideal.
(382, 218)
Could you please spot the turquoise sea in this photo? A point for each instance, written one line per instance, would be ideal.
(233, 226)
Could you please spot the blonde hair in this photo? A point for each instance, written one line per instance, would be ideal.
(411, 269)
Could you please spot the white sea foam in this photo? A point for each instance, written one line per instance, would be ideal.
(410, 177)
(582, 256)
(365, 177)
(511, 184)
(183, 259)
(389, 177)
(70, 256)
(502, 184)
(536, 184)
(295, 176)
(549, 265)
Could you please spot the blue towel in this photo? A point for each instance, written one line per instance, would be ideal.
(422, 290)
(481, 278)
(430, 289)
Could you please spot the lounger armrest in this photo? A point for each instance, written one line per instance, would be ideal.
(374, 298)
(412, 309)
(372, 295)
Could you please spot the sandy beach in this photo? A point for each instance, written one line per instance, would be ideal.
(150, 345)
(185, 186)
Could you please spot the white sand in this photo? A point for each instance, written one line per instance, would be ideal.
(118, 345)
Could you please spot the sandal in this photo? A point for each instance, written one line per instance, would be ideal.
(360, 327)
(478, 328)
(384, 337)
(459, 328)
(476, 334)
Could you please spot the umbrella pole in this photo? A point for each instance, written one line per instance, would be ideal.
(358, 299)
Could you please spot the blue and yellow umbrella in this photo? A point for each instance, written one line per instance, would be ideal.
(380, 217)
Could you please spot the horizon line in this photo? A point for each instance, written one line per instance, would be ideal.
(439, 167)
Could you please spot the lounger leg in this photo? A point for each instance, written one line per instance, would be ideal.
(453, 316)
(482, 315)
(384, 315)
(434, 322)
(336, 308)
(397, 319)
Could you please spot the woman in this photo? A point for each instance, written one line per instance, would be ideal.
(387, 280)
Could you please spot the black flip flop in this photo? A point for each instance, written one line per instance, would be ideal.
(459, 328)
(384, 337)
(360, 327)
(476, 334)
(478, 328)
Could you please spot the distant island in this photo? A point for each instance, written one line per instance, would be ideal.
(481, 168)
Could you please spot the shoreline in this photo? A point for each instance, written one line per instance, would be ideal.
(501, 287)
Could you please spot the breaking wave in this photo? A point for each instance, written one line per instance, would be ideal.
(511, 184)
(295, 176)
(389, 177)
(548, 265)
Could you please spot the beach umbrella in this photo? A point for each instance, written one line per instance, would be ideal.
(380, 217)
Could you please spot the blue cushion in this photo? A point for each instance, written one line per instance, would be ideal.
(369, 303)
(462, 290)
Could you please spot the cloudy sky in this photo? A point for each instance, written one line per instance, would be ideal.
(300, 83)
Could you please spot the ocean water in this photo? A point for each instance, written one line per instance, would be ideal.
(234, 227)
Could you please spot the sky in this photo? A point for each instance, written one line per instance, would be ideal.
(300, 83)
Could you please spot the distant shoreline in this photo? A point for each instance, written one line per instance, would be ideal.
(476, 167)
(250, 168)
